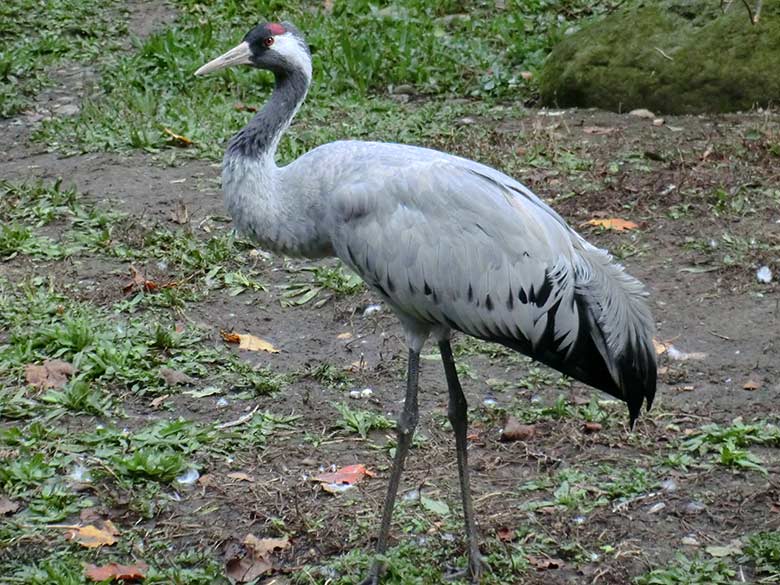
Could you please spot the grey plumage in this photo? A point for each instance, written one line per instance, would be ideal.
(448, 243)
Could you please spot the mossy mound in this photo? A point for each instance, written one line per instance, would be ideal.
(671, 56)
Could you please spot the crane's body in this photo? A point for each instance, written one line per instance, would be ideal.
(448, 243)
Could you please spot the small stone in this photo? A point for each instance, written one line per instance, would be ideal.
(642, 113)
(690, 541)
(764, 275)
(658, 122)
(66, 110)
(694, 507)
(669, 485)
(655, 508)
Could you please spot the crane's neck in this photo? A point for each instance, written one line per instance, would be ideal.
(259, 139)
(279, 215)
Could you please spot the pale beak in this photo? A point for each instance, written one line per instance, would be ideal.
(239, 55)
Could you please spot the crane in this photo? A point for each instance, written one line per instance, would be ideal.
(449, 245)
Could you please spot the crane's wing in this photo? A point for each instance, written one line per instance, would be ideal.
(447, 241)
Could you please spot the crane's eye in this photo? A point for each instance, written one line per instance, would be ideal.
(268, 41)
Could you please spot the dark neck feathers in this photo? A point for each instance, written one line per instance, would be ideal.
(260, 137)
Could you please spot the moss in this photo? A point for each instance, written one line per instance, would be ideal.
(672, 56)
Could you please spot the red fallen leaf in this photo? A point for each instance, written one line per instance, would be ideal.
(516, 431)
(116, 572)
(591, 427)
(505, 534)
(544, 563)
(52, 374)
(349, 475)
(138, 281)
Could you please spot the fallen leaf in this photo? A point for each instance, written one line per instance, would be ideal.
(240, 107)
(177, 139)
(345, 335)
(327, 6)
(91, 536)
(203, 392)
(660, 346)
(138, 281)
(514, 430)
(751, 385)
(173, 377)
(241, 476)
(505, 534)
(544, 563)
(349, 475)
(207, 480)
(682, 356)
(591, 427)
(254, 559)
(52, 374)
(436, 506)
(116, 572)
(7, 506)
(527, 75)
(180, 213)
(598, 130)
(613, 223)
(159, 400)
(262, 547)
(248, 342)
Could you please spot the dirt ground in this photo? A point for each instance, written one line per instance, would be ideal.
(639, 171)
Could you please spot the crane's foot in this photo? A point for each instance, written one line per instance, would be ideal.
(373, 574)
(473, 573)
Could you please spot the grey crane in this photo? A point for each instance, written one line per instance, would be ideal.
(449, 244)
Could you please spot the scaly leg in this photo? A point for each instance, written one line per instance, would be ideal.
(458, 415)
(407, 422)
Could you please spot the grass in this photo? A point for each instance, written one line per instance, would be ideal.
(362, 52)
(685, 571)
(36, 36)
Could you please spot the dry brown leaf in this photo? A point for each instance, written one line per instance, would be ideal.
(241, 476)
(173, 377)
(240, 107)
(7, 506)
(349, 475)
(116, 572)
(262, 547)
(505, 534)
(52, 374)
(159, 400)
(254, 559)
(91, 536)
(138, 281)
(514, 430)
(751, 384)
(544, 563)
(248, 342)
(660, 346)
(177, 139)
(180, 214)
(591, 427)
(613, 223)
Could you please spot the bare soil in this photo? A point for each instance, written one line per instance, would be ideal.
(721, 311)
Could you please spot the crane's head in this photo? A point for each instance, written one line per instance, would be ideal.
(278, 47)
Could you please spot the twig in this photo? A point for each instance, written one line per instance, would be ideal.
(240, 420)
(719, 335)
(664, 55)
(750, 11)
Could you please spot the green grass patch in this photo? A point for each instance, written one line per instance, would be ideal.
(36, 35)
(685, 571)
(362, 51)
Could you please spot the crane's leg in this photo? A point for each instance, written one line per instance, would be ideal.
(407, 422)
(458, 415)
